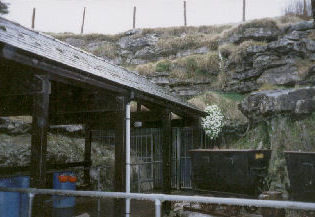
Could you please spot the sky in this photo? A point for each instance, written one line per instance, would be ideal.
(115, 16)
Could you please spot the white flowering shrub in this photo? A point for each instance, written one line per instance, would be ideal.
(213, 122)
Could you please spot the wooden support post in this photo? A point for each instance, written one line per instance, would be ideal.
(134, 17)
(197, 133)
(166, 157)
(138, 107)
(33, 18)
(83, 20)
(39, 135)
(120, 153)
(244, 10)
(185, 14)
(87, 154)
(39, 143)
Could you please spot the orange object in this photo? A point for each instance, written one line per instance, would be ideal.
(72, 179)
(63, 178)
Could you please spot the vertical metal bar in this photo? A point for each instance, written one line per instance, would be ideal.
(152, 158)
(157, 208)
(138, 173)
(30, 204)
(128, 158)
(99, 189)
(178, 166)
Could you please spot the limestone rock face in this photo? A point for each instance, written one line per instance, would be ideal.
(284, 62)
(136, 43)
(259, 34)
(260, 105)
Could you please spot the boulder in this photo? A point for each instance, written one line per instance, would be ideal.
(301, 26)
(242, 86)
(284, 46)
(257, 34)
(75, 42)
(131, 43)
(267, 61)
(260, 105)
(146, 52)
(283, 75)
(201, 50)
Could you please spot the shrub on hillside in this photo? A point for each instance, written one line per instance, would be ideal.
(213, 122)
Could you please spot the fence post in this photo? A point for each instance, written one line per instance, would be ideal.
(244, 10)
(83, 20)
(185, 14)
(157, 208)
(30, 204)
(33, 18)
(134, 17)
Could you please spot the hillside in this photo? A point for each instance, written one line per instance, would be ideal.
(260, 73)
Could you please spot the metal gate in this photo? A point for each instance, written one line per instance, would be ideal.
(146, 157)
(181, 160)
(146, 160)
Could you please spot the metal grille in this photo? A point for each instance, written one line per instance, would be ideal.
(147, 163)
(146, 157)
(181, 160)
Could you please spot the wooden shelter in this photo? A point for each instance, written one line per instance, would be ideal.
(56, 83)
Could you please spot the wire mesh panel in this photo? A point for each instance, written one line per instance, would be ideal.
(157, 157)
(142, 159)
(181, 160)
(146, 156)
(15, 141)
(185, 159)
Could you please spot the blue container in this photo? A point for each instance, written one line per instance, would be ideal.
(14, 204)
(60, 201)
(24, 182)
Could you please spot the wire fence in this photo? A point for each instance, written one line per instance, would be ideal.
(94, 16)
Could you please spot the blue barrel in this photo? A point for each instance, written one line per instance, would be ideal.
(23, 182)
(61, 181)
(14, 204)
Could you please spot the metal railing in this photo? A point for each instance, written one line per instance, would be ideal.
(158, 198)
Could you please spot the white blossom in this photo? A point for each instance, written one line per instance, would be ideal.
(213, 122)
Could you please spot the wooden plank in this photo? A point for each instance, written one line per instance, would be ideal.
(162, 104)
(39, 136)
(69, 99)
(120, 153)
(57, 71)
(166, 157)
(13, 83)
(33, 18)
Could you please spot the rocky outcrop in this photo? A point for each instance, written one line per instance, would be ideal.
(261, 105)
(284, 62)
(278, 56)
(255, 33)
